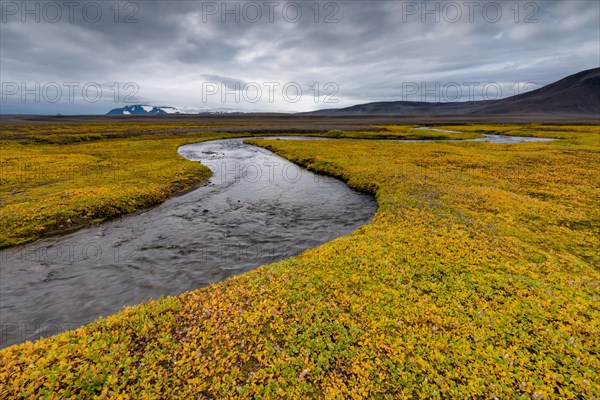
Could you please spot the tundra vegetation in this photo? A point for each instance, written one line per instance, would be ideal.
(477, 277)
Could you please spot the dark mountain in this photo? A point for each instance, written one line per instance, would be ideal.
(577, 94)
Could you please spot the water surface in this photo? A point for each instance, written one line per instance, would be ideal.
(257, 208)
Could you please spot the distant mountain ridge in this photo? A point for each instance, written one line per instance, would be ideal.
(577, 94)
(142, 109)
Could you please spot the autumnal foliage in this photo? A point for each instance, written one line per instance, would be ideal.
(477, 278)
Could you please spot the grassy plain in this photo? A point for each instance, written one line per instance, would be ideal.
(479, 276)
(404, 132)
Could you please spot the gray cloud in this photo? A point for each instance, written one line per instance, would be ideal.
(356, 51)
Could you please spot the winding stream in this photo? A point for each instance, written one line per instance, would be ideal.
(257, 208)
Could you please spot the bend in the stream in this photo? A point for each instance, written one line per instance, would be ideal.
(258, 208)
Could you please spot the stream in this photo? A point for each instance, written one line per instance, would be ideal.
(257, 208)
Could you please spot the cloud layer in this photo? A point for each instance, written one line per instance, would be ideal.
(89, 56)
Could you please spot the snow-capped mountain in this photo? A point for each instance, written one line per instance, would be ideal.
(142, 109)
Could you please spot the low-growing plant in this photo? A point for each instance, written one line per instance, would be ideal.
(477, 278)
(335, 133)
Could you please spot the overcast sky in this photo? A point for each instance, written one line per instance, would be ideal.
(70, 58)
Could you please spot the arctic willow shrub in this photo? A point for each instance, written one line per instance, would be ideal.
(477, 278)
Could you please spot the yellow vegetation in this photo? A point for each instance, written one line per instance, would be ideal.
(50, 187)
(478, 277)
